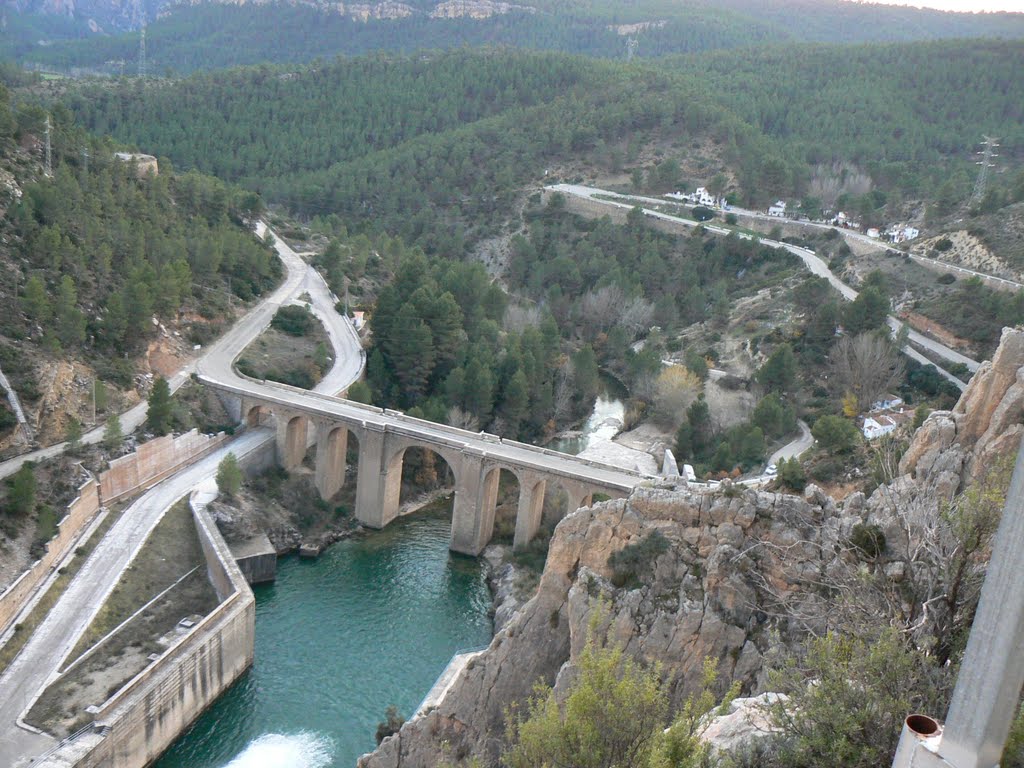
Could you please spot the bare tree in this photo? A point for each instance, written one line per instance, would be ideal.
(463, 419)
(865, 366)
(829, 182)
(519, 317)
(564, 388)
(601, 308)
(636, 316)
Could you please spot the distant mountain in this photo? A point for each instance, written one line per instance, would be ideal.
(101, 35)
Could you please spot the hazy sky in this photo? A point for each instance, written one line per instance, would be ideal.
(962, 5)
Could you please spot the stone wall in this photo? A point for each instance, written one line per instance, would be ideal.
(153, 461)
(145, 716)
(80, 512)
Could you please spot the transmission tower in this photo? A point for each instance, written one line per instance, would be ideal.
(85, 159)
(631, 45)
(49, 156)
(990, 145)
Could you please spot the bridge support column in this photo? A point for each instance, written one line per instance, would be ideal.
(579, 496)
(530, 511)
(378, 485)
(476, 492)
(331, 445)
(291, 441)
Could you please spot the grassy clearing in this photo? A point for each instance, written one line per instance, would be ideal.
(300, 361)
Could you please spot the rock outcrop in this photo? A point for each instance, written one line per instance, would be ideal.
(711, 592)
(724, 573)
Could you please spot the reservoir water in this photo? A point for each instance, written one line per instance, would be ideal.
(370, 623)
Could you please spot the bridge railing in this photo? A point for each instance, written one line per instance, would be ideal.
(459, 437)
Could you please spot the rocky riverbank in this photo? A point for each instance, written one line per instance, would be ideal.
(732, 574)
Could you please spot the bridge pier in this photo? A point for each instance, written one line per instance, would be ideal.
(371, 479)
(530, 510)
(476, 494)
(331, 446)
(291, 440)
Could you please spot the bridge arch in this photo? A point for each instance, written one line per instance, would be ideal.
(258, 416)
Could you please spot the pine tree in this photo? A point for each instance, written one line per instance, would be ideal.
(112, 435)
(21, 498)
(35, 302)
(73, 437)
(70, 319)
(229, 476)
(158, 417)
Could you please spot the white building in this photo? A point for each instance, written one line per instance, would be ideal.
(886, 403)
(873, 232)
(703, 197)
(878, 425)
(778, 209)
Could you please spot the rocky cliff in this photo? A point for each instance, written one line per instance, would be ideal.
(725, 573)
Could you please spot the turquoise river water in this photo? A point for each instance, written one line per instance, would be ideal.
(372, 622)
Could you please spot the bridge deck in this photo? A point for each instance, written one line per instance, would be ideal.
(491, 446)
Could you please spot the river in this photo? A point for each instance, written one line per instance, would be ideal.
(372, 622)
(605, 420)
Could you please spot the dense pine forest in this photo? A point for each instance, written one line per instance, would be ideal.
(185, 37)
(435, 148)
(94, 257)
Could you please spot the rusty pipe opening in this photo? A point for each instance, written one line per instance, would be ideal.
(922, 725)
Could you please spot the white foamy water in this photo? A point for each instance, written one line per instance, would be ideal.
(276, 750)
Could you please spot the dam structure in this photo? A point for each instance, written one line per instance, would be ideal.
(302, 418)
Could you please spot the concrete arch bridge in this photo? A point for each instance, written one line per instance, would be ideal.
(302, 419)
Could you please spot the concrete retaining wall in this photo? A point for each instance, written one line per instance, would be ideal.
(153, 461)
(142, 719)
(80, 512)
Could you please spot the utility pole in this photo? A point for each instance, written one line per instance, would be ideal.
(986, 154)
(142, 50)
(49, 157)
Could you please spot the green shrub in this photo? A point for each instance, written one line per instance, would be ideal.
(293, 319)
(868, 539)
(632, 559)
(791, 474)
(391, 724)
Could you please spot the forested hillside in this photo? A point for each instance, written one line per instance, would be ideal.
(186, 37)
(449, 343)
(98, 263)
(898, 112)
(436, 148)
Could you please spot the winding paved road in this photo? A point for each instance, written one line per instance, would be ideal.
(814, 264)
(43, 655)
